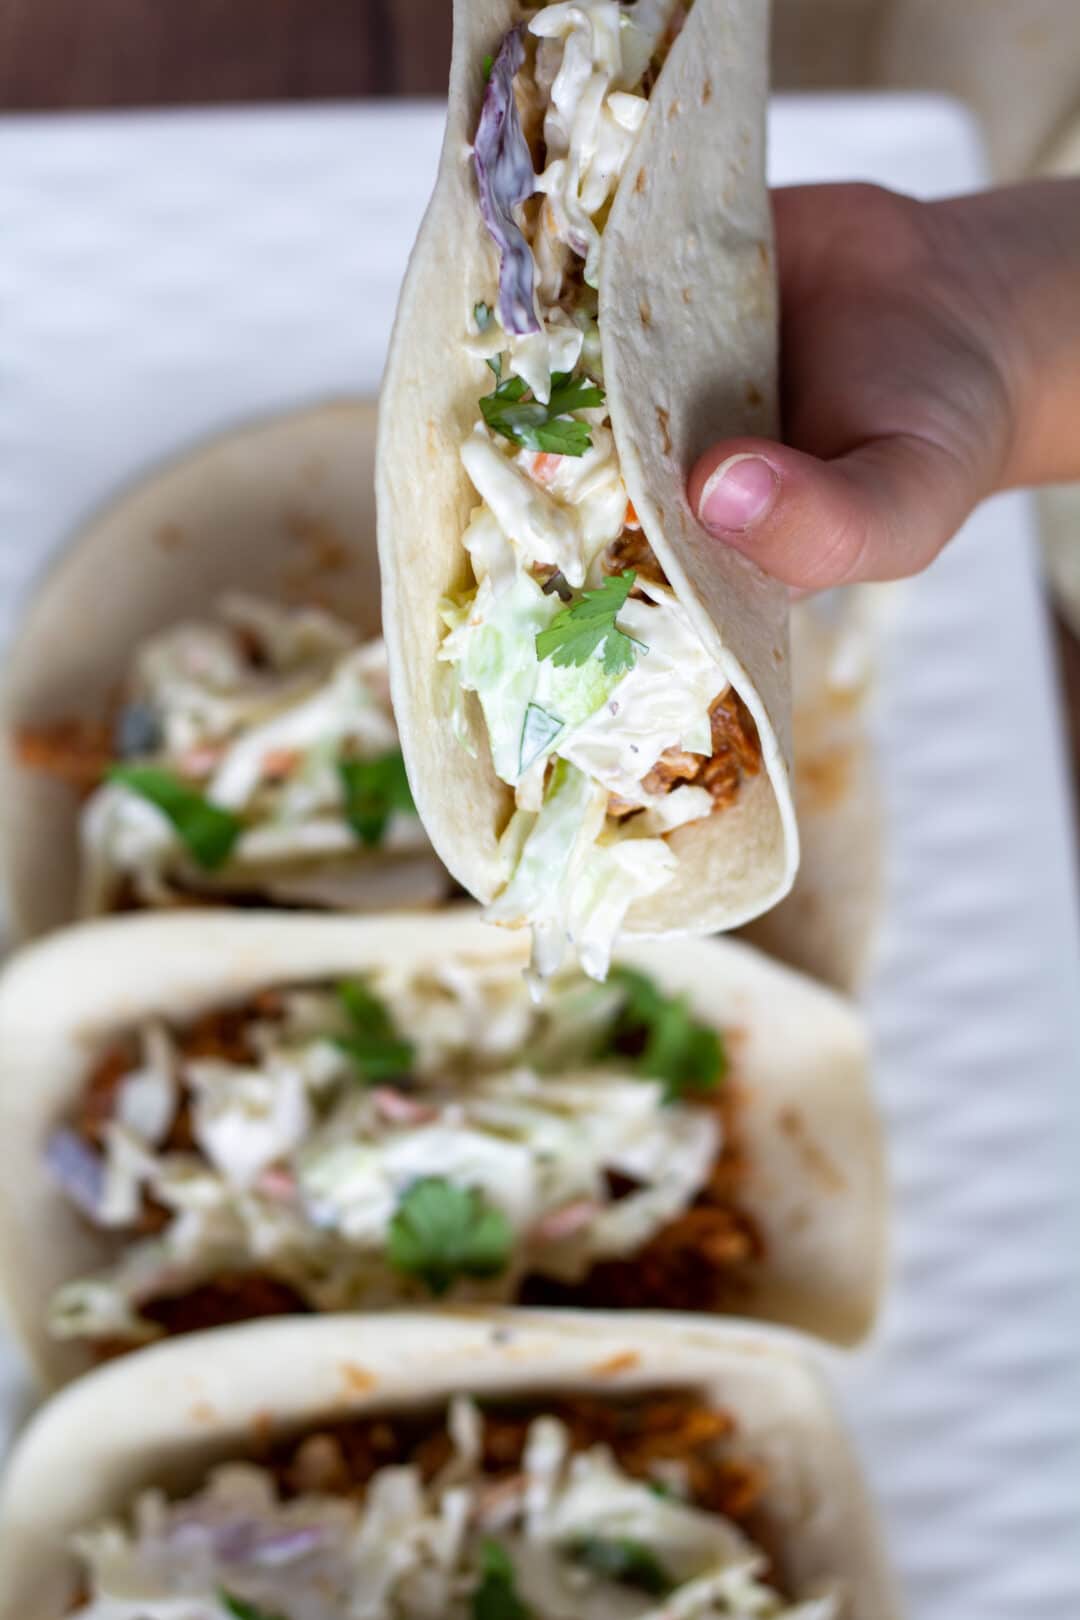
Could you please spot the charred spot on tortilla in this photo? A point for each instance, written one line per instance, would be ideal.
(622, 1361)
(170, 536)
(818, 1163)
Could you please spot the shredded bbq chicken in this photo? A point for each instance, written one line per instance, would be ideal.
(736, 746)
(662, 1428)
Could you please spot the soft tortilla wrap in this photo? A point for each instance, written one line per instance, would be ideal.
(814, 1182)
(688, 326)
(827, 926)
(174, 1411)
(282, 509)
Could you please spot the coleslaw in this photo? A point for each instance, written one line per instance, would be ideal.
(566, 1534)
(254, 754)
(392, 1139)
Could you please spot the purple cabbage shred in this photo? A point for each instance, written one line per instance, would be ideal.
(244, 1541)
(505, 176)
(77, 1169)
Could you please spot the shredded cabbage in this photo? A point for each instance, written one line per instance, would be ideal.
(414, 1550)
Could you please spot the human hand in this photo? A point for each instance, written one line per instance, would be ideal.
(930, 355)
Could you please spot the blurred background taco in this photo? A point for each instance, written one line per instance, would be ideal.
(210, 1117)
(197, 706)
(500, 1465)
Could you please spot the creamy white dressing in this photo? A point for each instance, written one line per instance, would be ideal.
(261, 741)
(413, 1550)
(541, 511)
(301, 1167)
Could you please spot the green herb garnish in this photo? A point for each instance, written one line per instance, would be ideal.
(665, 1038)
(374, 790)
(377, 1057)
(207, 831)
(576, 632)
(372, 1043)
(621, 1559)
(243, 1610)
(496, 1597)
(441, 1231)
(512, 411)
(489, 63)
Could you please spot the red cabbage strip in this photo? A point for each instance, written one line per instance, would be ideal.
(77, 1169)
(242, 1541)
(504, 174)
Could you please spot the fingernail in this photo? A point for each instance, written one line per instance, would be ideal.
(738, 494)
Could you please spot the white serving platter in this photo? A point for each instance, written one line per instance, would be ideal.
(163, 276)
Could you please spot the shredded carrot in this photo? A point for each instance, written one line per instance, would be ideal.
(280, 761)
(631, 520)
(545, 466)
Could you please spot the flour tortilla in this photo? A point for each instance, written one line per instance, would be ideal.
(688, 324)
(283, 509)
(814, 1181)
(828, 925)
(171, 1413)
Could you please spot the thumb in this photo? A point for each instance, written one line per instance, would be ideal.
(881, 511)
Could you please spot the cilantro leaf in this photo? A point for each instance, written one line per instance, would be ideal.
(364, 1009)
(625, 1560)
(374, 790)
(377, 1057)
(373, 1044)
(489, 63)
(512, 411)
(441, 1231)
(576, 632)
(496, 1597)
(243, 1610)
(661, 1032)
(570, 393)
(207, 831)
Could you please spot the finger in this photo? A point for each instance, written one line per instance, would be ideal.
(882, 511)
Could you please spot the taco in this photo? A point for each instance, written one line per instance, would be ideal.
(219, 727)
(594, 701)
(209, 1117)
(502, 1465)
